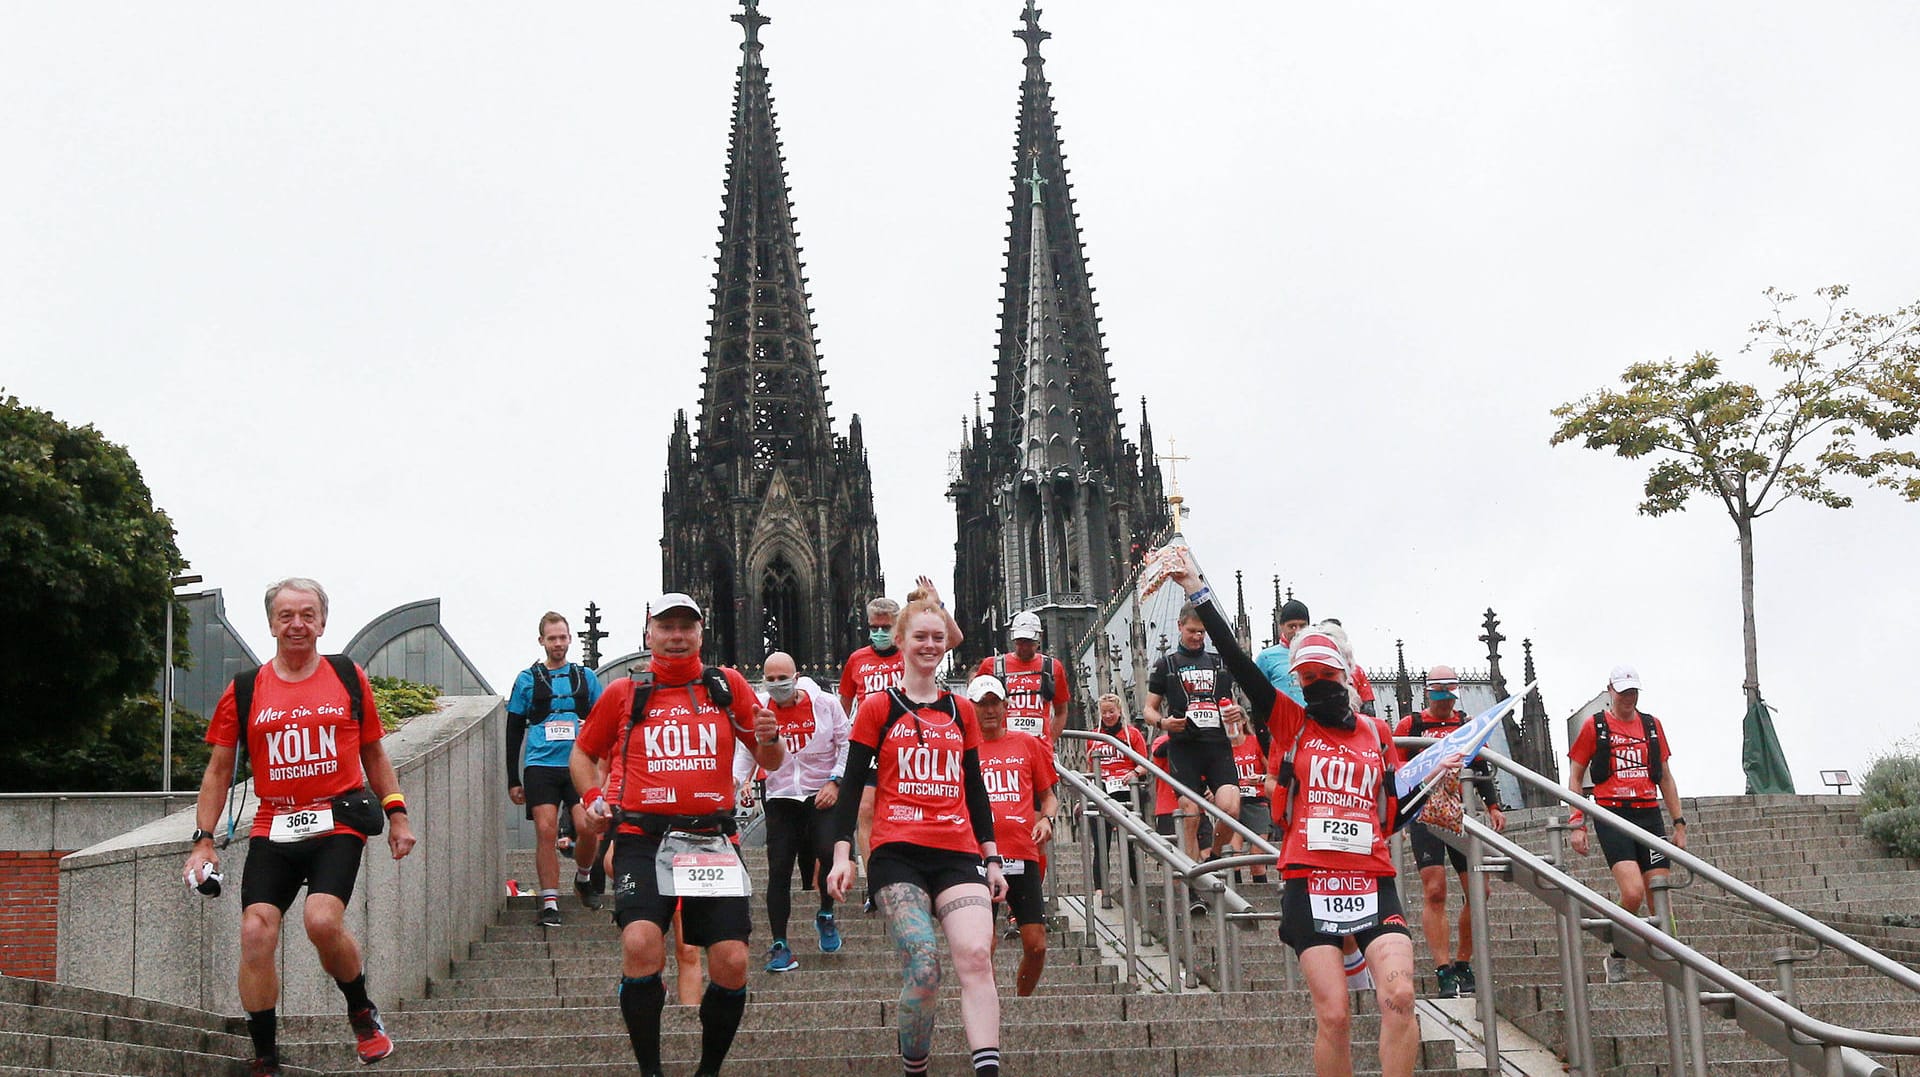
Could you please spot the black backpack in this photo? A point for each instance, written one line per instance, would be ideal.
(543, 691)
(1601, 766)
(1046, 675)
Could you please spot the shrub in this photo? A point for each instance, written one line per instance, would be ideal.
(400, 700)
(1890, 802)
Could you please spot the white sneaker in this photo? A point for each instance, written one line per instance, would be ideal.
(1617, 971)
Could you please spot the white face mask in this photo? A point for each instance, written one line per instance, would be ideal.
(781, 690)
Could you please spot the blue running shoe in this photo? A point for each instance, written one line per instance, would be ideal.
(829, 933)
(780, 957)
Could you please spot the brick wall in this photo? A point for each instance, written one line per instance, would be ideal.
(29, 912)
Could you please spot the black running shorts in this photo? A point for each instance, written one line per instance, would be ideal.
(1296, 918)
(275, 871)
(1430, 852)
(1026, 897)
(636, 897)
(1619, 846)
(549, 785)
(934, 871)
(1202, 766)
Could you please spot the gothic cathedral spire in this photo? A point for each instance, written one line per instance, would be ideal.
(768, 515)
(1052, 500)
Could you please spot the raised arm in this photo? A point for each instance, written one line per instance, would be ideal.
(1260, 692)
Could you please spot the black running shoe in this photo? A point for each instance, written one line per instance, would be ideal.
(589, 896)
(549, 916)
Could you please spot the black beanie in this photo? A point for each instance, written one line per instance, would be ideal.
(1294, 610)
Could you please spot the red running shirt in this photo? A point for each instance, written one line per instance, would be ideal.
(678, 760)
(1027, 710)
(1631, 783)
(867, 672)
(1429, 725)
(1165, 800)
(1252, 768)
(1336, 792)
(302, 740)
(1018, 770)
(1110, 763)
(921, 797)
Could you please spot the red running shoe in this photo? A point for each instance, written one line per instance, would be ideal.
(370, 1036)
(264, 1067)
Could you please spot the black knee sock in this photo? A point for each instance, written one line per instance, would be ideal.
(986, 1062)
(641, 1000)
(720, 1012)
(356, 992)
(263, 1026)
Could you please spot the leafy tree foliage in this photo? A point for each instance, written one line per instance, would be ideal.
(399, 699)
(1841, 388)
(87, 563)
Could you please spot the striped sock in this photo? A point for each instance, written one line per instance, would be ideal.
(986, 1062)
(549, 899)
(916, 1067)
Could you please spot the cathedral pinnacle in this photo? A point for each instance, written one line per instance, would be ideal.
(751, 21)
(1032, 34)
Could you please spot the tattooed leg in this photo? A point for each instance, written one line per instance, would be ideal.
(1391, 959)
(909, 917)
(966, 915)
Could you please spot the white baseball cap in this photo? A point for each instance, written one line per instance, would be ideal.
(1623, 678)
(675, 600)
(1025, 626)
(986, 685)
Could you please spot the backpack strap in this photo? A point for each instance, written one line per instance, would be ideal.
(349, 675)
(1656, 766)
(1600, 767)
(581, 703)
(542, 694)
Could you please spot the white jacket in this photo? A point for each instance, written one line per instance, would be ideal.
(819, 758)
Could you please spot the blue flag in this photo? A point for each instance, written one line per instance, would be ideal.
(1467, 740)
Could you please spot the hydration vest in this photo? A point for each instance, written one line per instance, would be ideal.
(543, 692)
(1288, 778)
(1601, 766)
(1046, 675)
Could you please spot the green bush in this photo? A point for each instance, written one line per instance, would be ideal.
(400, 700)
(1890, 802)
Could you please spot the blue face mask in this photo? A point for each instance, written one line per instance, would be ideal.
(882, 638)
(1440, 693)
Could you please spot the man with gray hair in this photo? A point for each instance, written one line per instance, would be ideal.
(324, 785)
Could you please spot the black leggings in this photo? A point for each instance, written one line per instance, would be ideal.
(794, 825)
(1103, 849)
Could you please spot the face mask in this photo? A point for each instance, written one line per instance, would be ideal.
(1328, 704)
(882, 638)
(781, 690)
(1440, 693)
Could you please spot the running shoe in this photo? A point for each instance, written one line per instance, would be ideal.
(1617, 972)
(264, 1067)
(589, 896)
(780, 957)
(1463, 975)
(370, 1036)
(829, 931)
(1446, 982)
(549, 916)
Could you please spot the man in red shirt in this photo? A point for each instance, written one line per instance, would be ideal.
(1020, 777)
(1036, 684)
(670, 742)
(1628, 780)
(317, 765)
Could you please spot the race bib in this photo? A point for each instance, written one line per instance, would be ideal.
(1011, 868)
(1027, 723)
(1340, 835)
(562, 729)
(693, 865)
(1203, 717)
(1343, 902)
(1118, 785)
(301, 824)
(1251, 792)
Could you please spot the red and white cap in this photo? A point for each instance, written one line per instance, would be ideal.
(1623, 678)
(1310, 646)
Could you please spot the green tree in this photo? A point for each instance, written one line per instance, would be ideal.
(1840, 388)
(85, 565)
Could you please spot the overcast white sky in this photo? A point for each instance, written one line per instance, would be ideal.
(404, 297)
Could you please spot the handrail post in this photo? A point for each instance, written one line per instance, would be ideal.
(1222, 960)
(1658, 899)
(1129, 923)
(1175, 956)
(1482, 937)
(1573, 966)
(1095, 827)
(1783, 959)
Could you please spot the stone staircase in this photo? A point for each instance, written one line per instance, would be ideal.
(1803, 850)
(48, 1029)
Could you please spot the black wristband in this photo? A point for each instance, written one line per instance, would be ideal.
(1679, 820)
(396, 809)
(993, 860)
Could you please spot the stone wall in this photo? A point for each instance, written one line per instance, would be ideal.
(127, 924)
(36, 830)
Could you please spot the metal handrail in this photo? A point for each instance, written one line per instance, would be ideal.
(1205, 803)
(1761, 900)
(1228, 906)
(1829, 1048)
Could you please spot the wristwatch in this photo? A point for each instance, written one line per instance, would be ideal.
(200, 835)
